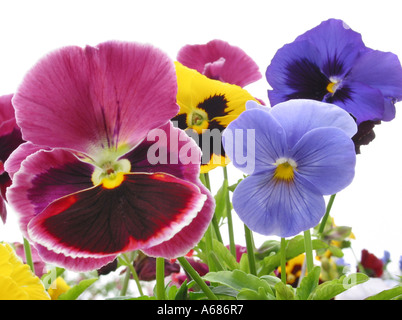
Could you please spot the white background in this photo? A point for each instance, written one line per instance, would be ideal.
(371, 205)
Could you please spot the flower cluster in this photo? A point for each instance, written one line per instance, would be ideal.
(105, 155)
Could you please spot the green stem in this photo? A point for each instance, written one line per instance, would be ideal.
(128, 261)
(196, 277)
(124, 287)
(206, 181)
(309, 250)
(250, 250)
(325, 218)
(204, 177)
(208, 233)
(160, 278)
(28, 255)
(209, 244)
(283, 260)
(216, 228)
(232, 245)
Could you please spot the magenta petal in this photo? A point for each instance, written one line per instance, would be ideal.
(143, 211)
(44, 176)
(170, 150)
(180, 156)
(6, 109)
(3, 210)
(73, 264)
(93, 98)
(237, 68)
(13, 163)
(189, 236)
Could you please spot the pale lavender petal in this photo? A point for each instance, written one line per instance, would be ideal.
(254, 141)
(309, 114)
(325, 157)
(271, 207)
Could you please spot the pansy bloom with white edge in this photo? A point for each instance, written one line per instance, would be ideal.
(86, 185)
(300, 150)
(10, 139)
(207, 106)
(221, 61)
(331, 63)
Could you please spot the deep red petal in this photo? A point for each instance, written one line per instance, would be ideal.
(143, 211)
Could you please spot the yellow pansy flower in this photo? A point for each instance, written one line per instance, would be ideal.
(17, 281)
(207, 106)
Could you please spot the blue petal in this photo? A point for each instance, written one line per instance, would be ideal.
(254, 141)
(300, 116)
(338, 44)
(389, 109)
(326, 157)
(380, 70)
(295, 72)
(362, 101)
(270, 207)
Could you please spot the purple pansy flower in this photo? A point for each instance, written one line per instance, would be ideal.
(221, 61)
(10, 139)
(299, 151)
(331, 63)
(84, 186)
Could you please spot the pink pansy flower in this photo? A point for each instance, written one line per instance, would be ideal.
(221, 61)
(85, 187)
(10, 139)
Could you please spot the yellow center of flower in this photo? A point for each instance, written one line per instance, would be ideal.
(285, 169)
(198, 120)
(111, 173)
(330, 87)
(333, 85)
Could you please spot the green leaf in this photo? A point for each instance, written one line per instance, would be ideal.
(294, 247)
(390, 294)
(224, 292)
(171, 291)
(271, 280)
(248, 294)
(220, 201)
(74, 292)
(50, 276)
(330, 289)
(234, 186)
(238, 280)
(337, 233)
(337, 252)
(308, 283)
(182, 292)
(284, 292)
(244, 264)
(224, 255)
(132, 298)
(267, 248)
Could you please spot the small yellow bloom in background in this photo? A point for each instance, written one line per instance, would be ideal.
(207, 106)
(17, 281)
(58, 287)
(294, 269)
